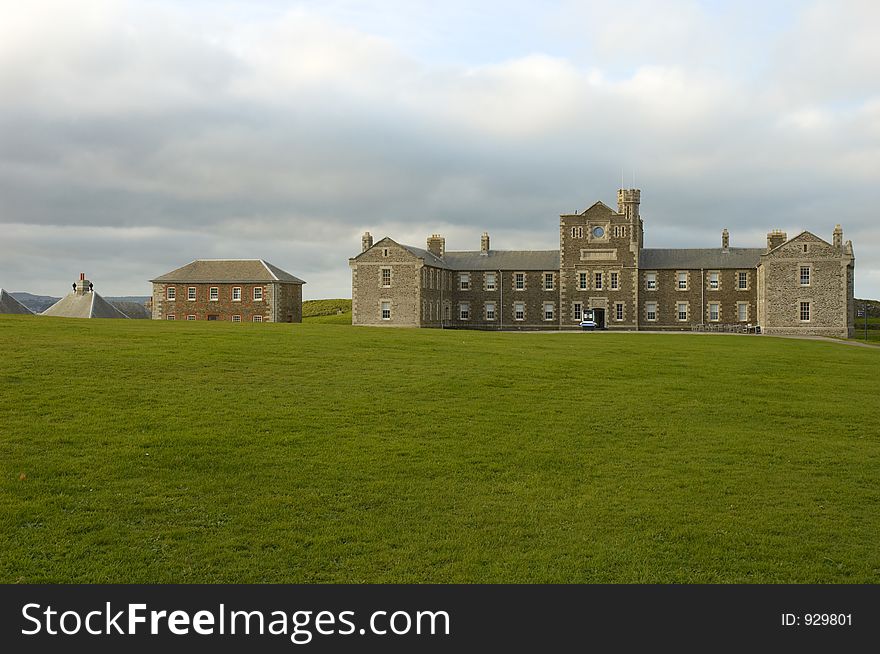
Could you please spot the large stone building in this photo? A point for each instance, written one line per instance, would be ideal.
(237, 290)
(802, 285)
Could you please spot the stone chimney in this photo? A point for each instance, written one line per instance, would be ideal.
(83, 285)
(484, 244)
(725, 240)
(366, 241)
(838, 238)
(776, 238)
(436, 245)
(628, 200)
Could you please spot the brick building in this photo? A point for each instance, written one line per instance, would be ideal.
(803, 285)
(237, 290)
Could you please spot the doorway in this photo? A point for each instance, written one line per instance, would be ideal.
(599, 318)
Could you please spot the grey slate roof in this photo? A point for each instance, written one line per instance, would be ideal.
(87, 305)
(495, 260)
(9, 304)
(699, 258)
(228, 270)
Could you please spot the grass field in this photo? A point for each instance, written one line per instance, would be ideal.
(146, 451)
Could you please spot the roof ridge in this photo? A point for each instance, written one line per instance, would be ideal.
(266, 266)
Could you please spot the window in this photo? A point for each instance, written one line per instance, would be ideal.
(446, 312)
(236, 318)
(620, 230)
(682, 281)
(805, 275)
(578, 311)
(742, 280)
(191, 294)
(386, 277)
(577, 232)
(651, 311)
(258, 293)
(386, 311)
(464, 281)
(682, 311)
(615, 283)
(582, 281)
(548, 311)
(597, 281)
(490, 311)
(805, 312)
(548, 281)
(190, 317)
(618, 311)
(714, 312)
(384, 252)
(171, 293)
(714, 280)
(214, 294)
(519, 281)
(742, 311)
(258, 318)
(236, 294)
(464, 311)
(598, 232)
(519, 311)
(171, 316)
(490, 281)
(651, 281)
(806, 248)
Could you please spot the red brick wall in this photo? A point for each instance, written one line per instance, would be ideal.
(225, 307)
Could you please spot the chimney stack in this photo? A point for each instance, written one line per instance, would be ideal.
(436, 245)
(484, 244)
(366, 241)
(82, 286)
(725, 240)
(838, 238)
(776, 238)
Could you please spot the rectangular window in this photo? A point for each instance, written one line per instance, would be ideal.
(682, 311)
(190, 317)
(651, 311)
(386, 311)
(742, 311)
(548, 311)
(490, 281)
(464, 281)
(714, 312)
(615, 282)
(805, 312)
(582, 281)
(464, 311)
(214, 294)
(191, 294)
(743, 280)
(714, 281)
(519, 311)
(548, 281)
(490, 311)
(805, 275)
(236, 318)
(171, 316)
(597, 281)
(386, 277)
(651, 281)
(519, 281)
(618, 311)
(682, 281)
(171, 293)
(258, 318)
(258, 293)
(236, 293)
(578, 311)
(384, 252)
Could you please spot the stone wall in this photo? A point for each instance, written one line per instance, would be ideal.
(224, 307)
(403, 292)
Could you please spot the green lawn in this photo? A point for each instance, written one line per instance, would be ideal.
(212, 452)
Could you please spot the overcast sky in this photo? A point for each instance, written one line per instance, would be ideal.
(138, 136)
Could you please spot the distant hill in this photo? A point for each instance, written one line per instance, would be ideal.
(313, 308)
(36, 303)
(128, 304)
